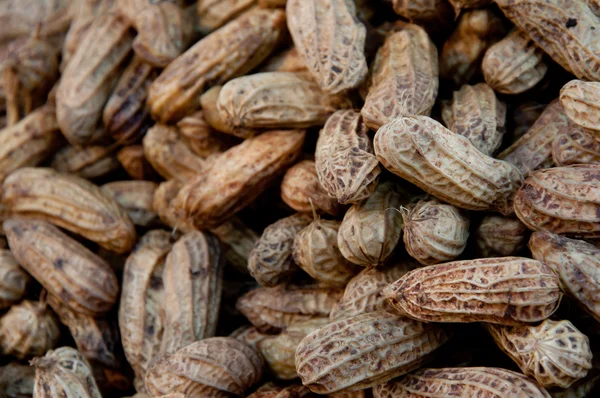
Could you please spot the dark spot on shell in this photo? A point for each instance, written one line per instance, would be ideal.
(571, 23)
(58, 263)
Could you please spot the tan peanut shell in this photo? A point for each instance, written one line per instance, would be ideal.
(273, 100)
(135, 164)
(125, 114)
(170, 156)
(249, 335)
(142, 294)
(64, 372)
(89, 162)
(576, 146)
(213, 14)
(17, 17)
(575, 262)
(499, 236)
(467, 382)
(236, 177)
(331, 40)
(136, 197)
(163, 197)
(71, 203)
(581, 101)
(17, 380)
(28, 329)
(213, 367)
(346, 165)
(365, 350)
(459, 5)
(446, 165)
(404, 78)
(524, 116)
(237, 240)
(231, 51)
(363, 292)
(563, 200)
(423, 11)
(271, 309)
(564, 29)
(30, 141)
(13, 280)
(371, 230)
(270, 261)
(279, 351)
(89, 77)
(272, 390)
(64, 267)
(288, 60)
(200, 137)
(503, 290)
(555, 353)
(193, 280)
(208, 102)
(514, 64)
(461, 55)
(316, 252)
(435, 232)
(301, 190)
(534, 149)
(477, 114)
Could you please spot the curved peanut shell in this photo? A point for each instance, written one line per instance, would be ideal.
(213, 367)
(272, 390)
(331, 40)
(365, 350)
(500, 236)
(563, 200)
(404, 78)
(71, 203)
(89, 162)
(17, 380)
(13, 280)
(446, 165)
(17, 17)
(64, 267)
(555, 353)
(249, 335)
(136, 197)
(514, 64)
(270, 261)
(576, 146)
(347, 168)
(213, 14)
(477, 114)
(236, 177)
(200, 137)
(423, 11)
(193, 280)
(163, 197)
(575, 262)
(135, 164)
(237, 240)
(581, 101)
(231, 51)
(503, 290)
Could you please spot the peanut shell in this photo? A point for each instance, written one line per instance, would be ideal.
(576, 146)
(135, 164)
(237, 240)
(423, 11)
(16, 381)
(213, 14)
(89, 162)
(17, 17)
(136, 197)
(13, 280)
(200, 137)
(500, 236)
(581, 101)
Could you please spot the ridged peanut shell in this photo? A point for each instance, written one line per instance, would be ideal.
(555, 353)
(435, 232)
(514, 64)
(371, 230)
(423, 10)
(563, 200)
(200, 137)
(404, 79)
(365, 350)
(249, 335)
(446, 165)
(576, 146)
(503, 290)
(285, 61)
(163, 197)
(71, 203)
(271, 390)
(135, 164)
(64, 267)
(214, 367)
(346, 165)
(459, 5)
(28, 329)
(213, 14)
(89, 162)
(477, 114)
(136, 197)
(500, 236)
(193, 281)
(17, 17)
(581, 101)
(16, 380)
(331, 40)
(13, 280)
(236, 177)
(270, 261)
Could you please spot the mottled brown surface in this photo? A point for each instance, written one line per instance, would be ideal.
(89, 162)
(581, 101)
(136, 197)
(500, 236)
(17, 380)
(576, 146)
(13, 280)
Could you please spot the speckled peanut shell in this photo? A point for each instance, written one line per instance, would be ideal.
(514, 64)
(271, 309)
(89, 162)
(365, 350)
(213, 14)
(231, 51)
(446, 165)
(404, 78)
(581, 101)
(13, 280)
(272, 390)
(331, 40)
(214, 367)
(270, 261)
(193, 280)
(71, 203)
(564, 29)
(423, 11)
(576, 146)
(563, 200)
(555, 353)
(346, 165)
(575, 262)
(64, 267)
(498, 236)
(503, 290)
(136, 197)
(477, 114)
(465, 382)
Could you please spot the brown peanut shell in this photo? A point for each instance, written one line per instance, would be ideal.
(500, 236)
(89, 162)
(132, 159)
(16, 380)
(212, 14)
(576, 146)
(13, 280)
(136, 197)
(581, 101)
